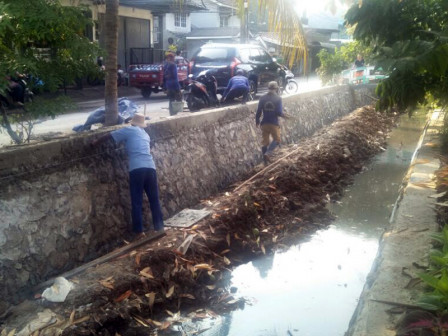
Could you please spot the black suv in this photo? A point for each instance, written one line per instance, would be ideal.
(225, 59)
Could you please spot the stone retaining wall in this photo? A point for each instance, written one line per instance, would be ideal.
(62, 203)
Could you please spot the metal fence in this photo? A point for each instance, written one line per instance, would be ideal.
(149, 55)
(146, 55)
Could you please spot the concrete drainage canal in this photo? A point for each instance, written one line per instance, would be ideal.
(309, 288)
(313, 287)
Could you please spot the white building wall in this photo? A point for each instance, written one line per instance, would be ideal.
(211, 19)
(234, 21)
(205, 20)
(122, 11)
(169, 24)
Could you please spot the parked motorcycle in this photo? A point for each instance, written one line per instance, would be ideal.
(17, 93)
(201, 92)
(290, 86)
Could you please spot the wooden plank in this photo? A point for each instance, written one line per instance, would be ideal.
(101, 260)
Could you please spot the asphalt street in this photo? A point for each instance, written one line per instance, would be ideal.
(91, 98)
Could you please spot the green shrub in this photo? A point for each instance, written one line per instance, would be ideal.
(331, 65)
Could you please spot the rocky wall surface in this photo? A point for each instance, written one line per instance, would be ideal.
(63, 203)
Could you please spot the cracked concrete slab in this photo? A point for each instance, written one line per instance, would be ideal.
(187, 218)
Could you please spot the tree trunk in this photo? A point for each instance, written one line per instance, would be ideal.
(6, 124)
(111, 91)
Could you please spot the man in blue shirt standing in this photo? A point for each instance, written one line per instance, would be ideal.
(270, 106)
(171, 82)
(142, 171)
(238, 86)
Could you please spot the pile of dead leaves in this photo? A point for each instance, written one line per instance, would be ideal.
(283, 199)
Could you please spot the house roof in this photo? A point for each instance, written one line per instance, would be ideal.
(218, 32)
(323, 21)
(229, 3)
(312, 36)
(163, 5)
(220, 5)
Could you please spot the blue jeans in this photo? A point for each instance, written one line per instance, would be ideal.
(144, 179)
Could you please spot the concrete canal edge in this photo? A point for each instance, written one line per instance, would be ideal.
(63, 204)
(405, 246)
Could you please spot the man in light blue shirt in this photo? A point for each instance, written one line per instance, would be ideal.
(142, 171)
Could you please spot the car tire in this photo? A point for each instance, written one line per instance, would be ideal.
(146, 92)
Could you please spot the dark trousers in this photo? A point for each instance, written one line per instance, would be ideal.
(237, 92)
(173, 95)
(214, 98)
(145, 179)
(17, 92)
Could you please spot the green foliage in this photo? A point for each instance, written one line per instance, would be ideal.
(330, 65)
(333, 63)
(44, 39)
(47, 40)
(437, 276)
(350, 50)
(409, 41)
(23, 121)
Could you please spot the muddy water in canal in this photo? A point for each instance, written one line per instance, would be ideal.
(312, 289)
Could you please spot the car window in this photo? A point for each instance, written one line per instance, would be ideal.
(264, 57)
(214, 54)
(254, 55)
(245, 55)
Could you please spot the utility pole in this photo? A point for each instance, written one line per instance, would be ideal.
(244, 32)
(246, 21)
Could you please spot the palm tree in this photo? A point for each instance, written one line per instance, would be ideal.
(111, 91)
(284, 20)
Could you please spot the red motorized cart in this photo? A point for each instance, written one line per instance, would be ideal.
(149, 77)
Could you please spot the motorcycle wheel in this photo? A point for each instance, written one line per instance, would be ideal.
(291, 87)
(192, 104)
(146, 93)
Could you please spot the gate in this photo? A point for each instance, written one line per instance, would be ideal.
(146, 55)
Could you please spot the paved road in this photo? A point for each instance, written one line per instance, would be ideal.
(89, 99)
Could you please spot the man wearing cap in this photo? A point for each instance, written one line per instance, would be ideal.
(171, 82)
(238, 86)
(142, 171)
(270, 106)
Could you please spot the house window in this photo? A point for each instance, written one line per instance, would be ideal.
(156, 30)
(180, 19)
(223, 21)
